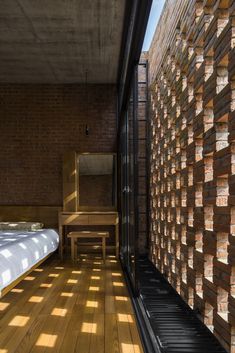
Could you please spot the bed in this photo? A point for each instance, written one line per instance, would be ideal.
(21, 251)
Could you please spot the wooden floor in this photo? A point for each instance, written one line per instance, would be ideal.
(64, 308)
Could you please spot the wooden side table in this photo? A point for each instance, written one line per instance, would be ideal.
(86, 234)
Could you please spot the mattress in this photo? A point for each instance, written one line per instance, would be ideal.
(21, 250)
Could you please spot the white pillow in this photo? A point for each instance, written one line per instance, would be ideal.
(21, 226)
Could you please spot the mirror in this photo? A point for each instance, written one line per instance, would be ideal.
(97, 180)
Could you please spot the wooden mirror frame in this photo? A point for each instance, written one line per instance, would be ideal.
(97, 208)
(71, 183)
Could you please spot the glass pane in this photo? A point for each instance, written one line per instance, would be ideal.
(97, 180)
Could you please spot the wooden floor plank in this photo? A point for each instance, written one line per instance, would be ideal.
(69, 308)
(111, 334)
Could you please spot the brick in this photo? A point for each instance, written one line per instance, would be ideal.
(224, 161)
(222, 45)
(215, 139)
(231, 57)
(209, 88)
(198, 218)
(209, 242)
(222, 218)
(222, 104)
(195, 150)
(210, 294)
(209, 193)
(198, 171)
(222, 275)
(54, 119)
(231, 197)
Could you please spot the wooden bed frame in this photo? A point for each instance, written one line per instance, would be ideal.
(48, 215)
(8, 288)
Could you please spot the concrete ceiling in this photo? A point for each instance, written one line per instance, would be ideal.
(58, 41)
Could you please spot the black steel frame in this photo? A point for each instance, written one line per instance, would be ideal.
(136, 19)
(149, 342)
(133, 276)
(135, 181)
(145, 63)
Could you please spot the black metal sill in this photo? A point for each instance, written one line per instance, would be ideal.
(166, 323)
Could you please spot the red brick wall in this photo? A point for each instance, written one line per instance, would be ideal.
(37, 124)
(192, 69)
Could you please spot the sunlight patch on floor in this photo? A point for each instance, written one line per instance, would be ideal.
(130, 348)
(46, 285)
(95, 277)
(125, 318)
(35, 299)
(92, 304)
(121, 298)
(19, 321)
(46, 340)
(59, 312)
(76, 272)
(89, 327)
(72, 281)
(54, 275)
(94, 289)
(29, 278)
(17, 290)
(3, 306)
(66, 294)
(118, 284)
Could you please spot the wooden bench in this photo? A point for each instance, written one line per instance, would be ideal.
(87, 234)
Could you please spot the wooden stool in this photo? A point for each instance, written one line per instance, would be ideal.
(86, 234)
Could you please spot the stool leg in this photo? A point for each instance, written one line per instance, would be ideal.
(75, 250)
(72, 249)
(104, 248)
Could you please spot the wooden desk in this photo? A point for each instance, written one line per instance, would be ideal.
(88, 219)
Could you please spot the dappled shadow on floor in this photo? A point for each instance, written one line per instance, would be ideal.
(64, 307)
